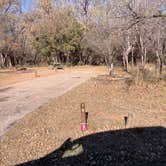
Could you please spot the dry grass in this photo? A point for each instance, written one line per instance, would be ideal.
(107, 102)
(11, 76)
(149, 74)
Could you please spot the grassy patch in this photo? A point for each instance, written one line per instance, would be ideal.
(147, 75)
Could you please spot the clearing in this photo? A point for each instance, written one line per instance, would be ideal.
(42, 132)
(16, 100)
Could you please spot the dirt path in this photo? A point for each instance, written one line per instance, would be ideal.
(19, 99)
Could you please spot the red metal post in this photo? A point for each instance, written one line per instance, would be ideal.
(84, 117)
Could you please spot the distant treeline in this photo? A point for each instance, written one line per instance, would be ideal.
(83, 32)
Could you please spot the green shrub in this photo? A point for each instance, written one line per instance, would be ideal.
(69, 64)
(80, 63)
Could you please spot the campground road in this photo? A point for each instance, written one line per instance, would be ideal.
(19, 99)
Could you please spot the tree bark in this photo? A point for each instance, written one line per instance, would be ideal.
(48, 60)
(112, 70)
(124, 62)
(159, 64)
(2, 61)
(143, 57)
(126, 58)
(9, 62)
(127, 61)
(67, 58)
(132, 58)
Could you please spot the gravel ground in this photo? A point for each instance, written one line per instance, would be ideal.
(138, 146)
(12, 76)
(19, 99)
(41, 134)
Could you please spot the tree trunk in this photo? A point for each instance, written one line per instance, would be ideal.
(112, 70)
(124, 62)
(48, 60)
(161, 68)
(126, 58)
(106, 60)
(159, 64)
(55, 59)
(111, 66)
(67, 58)
(132, 58)
(35, 59)
(9, 62)
(143, 58)
(127, 62)
(87, 59)
(143, 53)
(2, 61)
(6, 60)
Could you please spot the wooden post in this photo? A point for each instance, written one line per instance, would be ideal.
(126, 121)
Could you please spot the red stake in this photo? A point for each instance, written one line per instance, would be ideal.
(84, 117)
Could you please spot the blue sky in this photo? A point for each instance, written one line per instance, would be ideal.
(27, 5)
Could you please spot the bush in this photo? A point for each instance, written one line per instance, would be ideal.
(69, 64)
(141, 76)
(80, 63)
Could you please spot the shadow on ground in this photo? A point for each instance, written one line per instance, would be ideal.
(128, 147)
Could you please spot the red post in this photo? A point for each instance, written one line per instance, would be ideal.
(84, 118)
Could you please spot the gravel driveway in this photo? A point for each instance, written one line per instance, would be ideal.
(19, 99)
